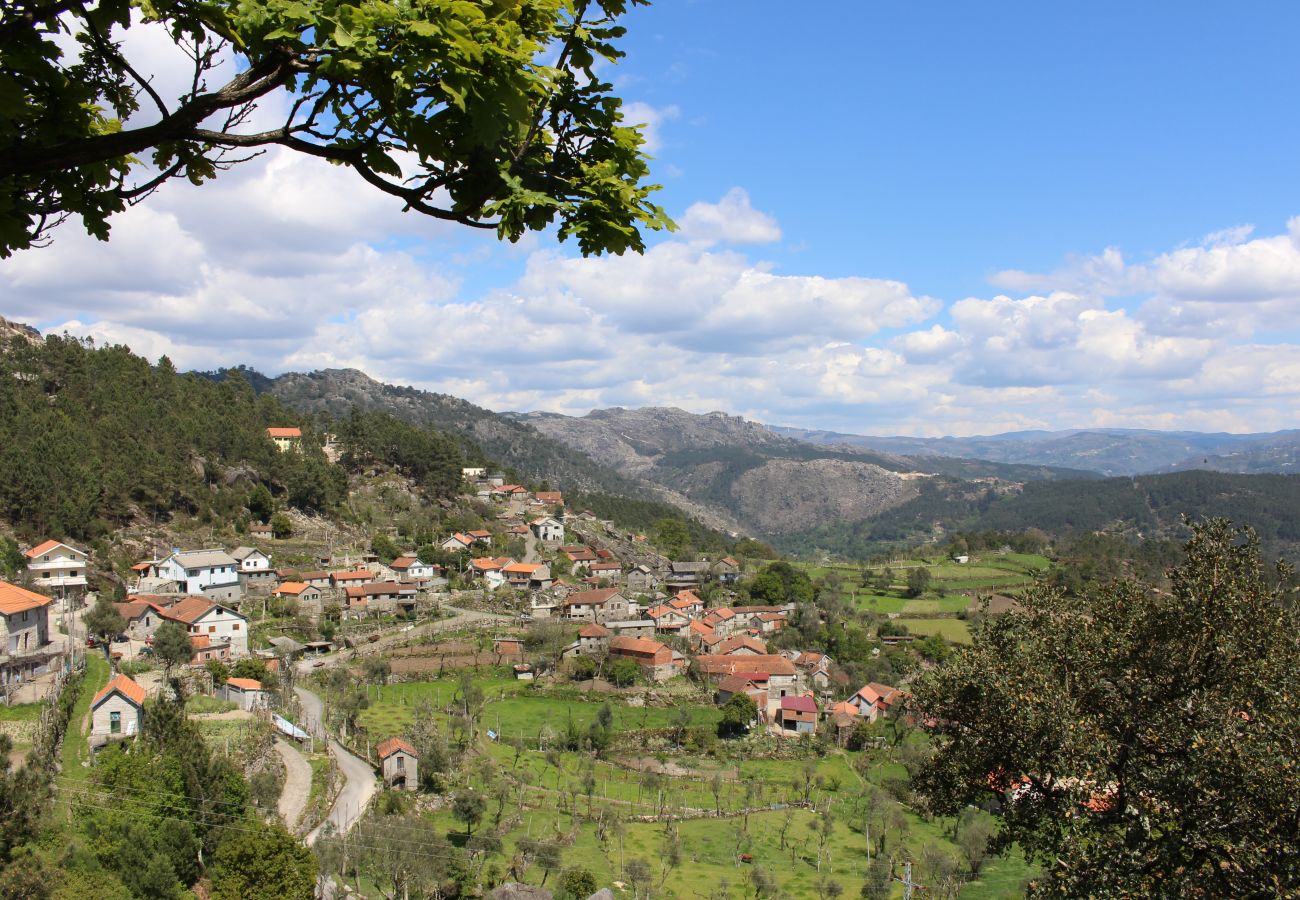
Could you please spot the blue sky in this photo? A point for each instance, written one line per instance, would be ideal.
(904, 218)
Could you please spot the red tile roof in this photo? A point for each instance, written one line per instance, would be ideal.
(41, 549)
(189, 610)
(291, 588)
(123, 685)
(747, 665)
(392, 745)
(284, 432)
(593, 598)
(14, 599)
(592, 630)
(799, 704)
(245, 684)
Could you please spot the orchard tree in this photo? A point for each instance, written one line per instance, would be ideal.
(1144, 742)
(491, 115)
(171, 645)
(103, 620)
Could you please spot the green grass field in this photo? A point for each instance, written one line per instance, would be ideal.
(75, 750)
(954, 630)
(21, 712)
(784, 842)
(514, 710)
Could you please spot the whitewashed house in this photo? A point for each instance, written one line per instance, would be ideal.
(254, 567)
(212, 573)
(58, 569)
(549, 530)
(203, 618)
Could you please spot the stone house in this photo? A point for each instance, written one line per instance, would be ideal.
(400, 764)
(117, 710)
(24, 643)
(217, 623)
(600, 606)
(247, 692)
(654, 658)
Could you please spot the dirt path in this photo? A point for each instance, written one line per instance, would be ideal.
(228, 715)
(297, 784)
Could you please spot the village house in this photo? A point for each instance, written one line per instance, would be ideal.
(343, 580)
(668, 620)
(411, 568)
(797, 715)
(607, 571)
(593, 640)
(549, 530)
(380, 596)
(310, 599)
(698, 633)
(202, 617)
(58, 569)
(116, 711)
(247, 692)
(739, 645)
(601, 606)
(261, 530)
(470, 473)
(26, 617)
(726, 570)
(285, 439)
(721, 619)
(654, 658)
(141, 615)
(205, 648)
(457, 543)
(685, 576)
(491, 570)
(528, 576)
(775, 673)
(254, 567)
(211, 573)
(842, 720)
(641, 579)
(318, 579)
(644, 628)
(550, 498)
(399, 762)
(740, 684)
(816, 668)
(688, 602)
(580, 559)
(876, 700)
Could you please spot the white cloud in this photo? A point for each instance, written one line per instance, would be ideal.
(652, 119)
(731, 220)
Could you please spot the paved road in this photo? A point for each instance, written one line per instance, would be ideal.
(297, 784)
(359, 786)
(530, 547)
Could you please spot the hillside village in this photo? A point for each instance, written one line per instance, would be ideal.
(572, 600)
(353, 657)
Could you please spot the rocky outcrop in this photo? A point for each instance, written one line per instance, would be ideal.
(792, 495)
(17, 331)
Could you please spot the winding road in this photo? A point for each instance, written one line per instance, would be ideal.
(297, 784)
(359, 786)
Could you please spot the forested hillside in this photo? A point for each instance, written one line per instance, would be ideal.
(92, 438)
(1145, 506)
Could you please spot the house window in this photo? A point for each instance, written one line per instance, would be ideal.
(235, 627)
(45, 574)
(114, 723)
(401, 763)
(212, 629)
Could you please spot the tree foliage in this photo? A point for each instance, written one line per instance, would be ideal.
(172, 645)
(1144, 742)
(493, 116)
(262, 862)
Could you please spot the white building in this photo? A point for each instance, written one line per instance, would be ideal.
(251, 559)
(212, 573)
(57, 568)
(548, 529)
(201, 617)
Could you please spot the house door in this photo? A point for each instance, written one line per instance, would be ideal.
(114, 723)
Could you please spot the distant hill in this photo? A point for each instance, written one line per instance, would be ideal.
(1140, 507)
(770, 483)
(1115, 451)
